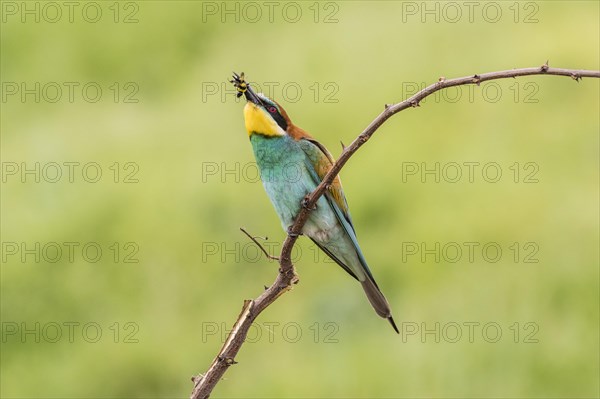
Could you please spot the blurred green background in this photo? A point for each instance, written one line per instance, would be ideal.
(178, 180)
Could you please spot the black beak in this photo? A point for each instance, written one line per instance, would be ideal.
(252, 97)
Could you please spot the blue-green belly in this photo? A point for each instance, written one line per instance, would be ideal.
(287, 181)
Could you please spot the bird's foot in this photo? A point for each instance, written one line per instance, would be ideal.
(291, 233)
(305, 204)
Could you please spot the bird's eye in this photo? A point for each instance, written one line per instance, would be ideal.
(272, 110)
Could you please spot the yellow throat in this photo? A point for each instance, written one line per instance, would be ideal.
(258, 121)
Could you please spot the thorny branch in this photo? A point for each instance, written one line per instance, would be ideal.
(259, 245)
(205, 383)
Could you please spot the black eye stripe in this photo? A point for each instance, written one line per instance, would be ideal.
(273, 110)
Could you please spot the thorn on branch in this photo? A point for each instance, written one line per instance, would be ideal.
(415, 104)
(441, 79)
(343, 146)
(476, 79)
(386, 106)
(291, 276)
(228, 360)
(576, 77)
(254, 239)
(544, 67)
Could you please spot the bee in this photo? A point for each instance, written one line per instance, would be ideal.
(240, 84)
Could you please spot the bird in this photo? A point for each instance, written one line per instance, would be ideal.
(292, 164)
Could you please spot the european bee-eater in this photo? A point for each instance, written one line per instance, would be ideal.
(292, 164)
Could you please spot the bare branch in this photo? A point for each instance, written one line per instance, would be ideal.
(205, 383)
(264, 251)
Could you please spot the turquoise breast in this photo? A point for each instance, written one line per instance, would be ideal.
(284, 175)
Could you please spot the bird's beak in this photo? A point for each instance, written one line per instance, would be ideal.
(242, 86)
(252, 97)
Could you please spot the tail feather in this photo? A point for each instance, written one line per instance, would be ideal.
(378, 301)
(391, 320)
